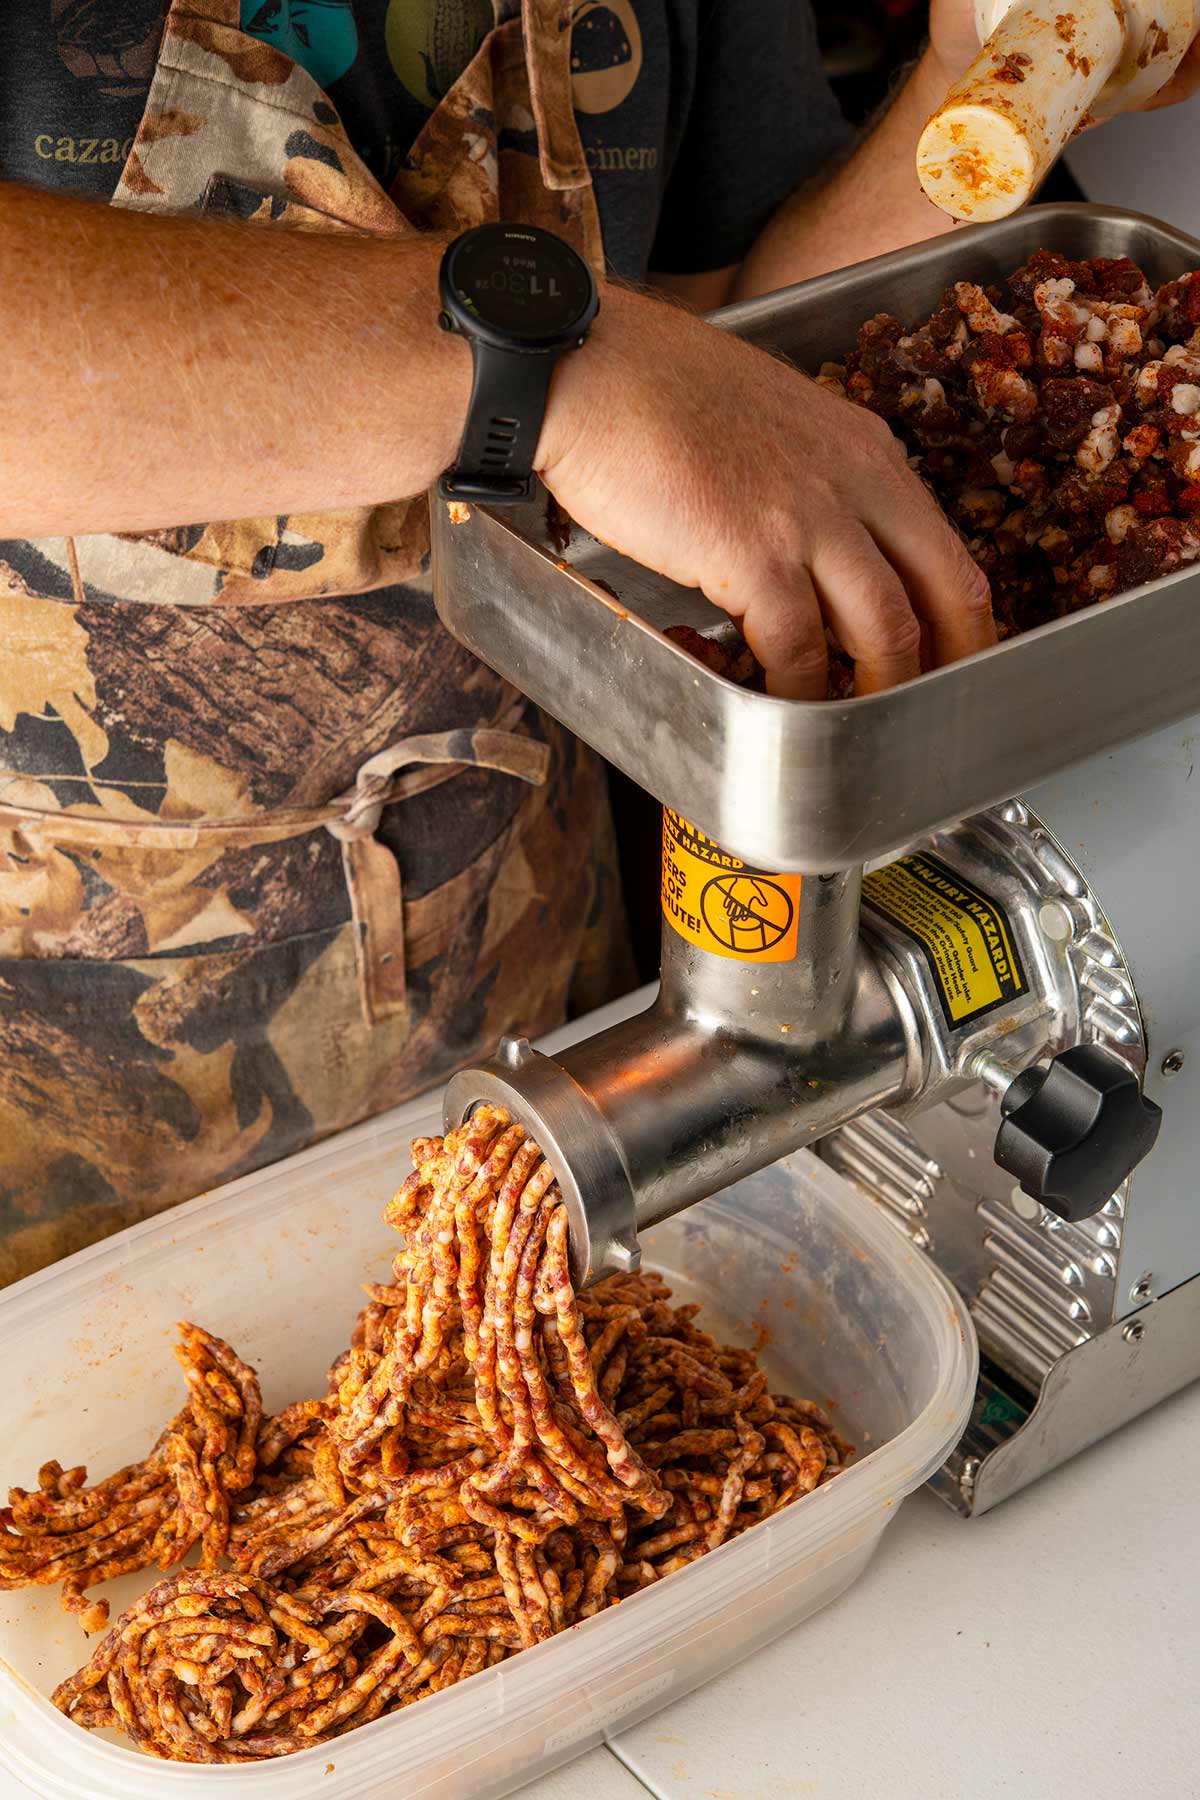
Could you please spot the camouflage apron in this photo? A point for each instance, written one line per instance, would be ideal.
(275, 852)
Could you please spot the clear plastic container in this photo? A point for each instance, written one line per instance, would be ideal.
(794, 1257)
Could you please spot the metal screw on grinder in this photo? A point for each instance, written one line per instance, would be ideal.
(1143, 1287)
(1134, 1332)
(1172, 1063)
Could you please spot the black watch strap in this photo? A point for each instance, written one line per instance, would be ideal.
(504, 421)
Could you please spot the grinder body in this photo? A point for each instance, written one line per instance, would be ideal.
(916, 997)
(1082, 1323)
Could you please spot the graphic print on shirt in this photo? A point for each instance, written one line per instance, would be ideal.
(321, 35)
(429, 45)
(620, 93)
(113, 46)
(74, 87)
(606, 54)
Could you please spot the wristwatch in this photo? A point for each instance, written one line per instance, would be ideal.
(521, 297)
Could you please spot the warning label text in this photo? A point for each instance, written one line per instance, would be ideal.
(965, 936)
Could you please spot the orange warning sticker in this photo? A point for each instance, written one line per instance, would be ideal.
(722, 904)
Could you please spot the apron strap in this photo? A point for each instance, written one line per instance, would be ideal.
(373, 877)
(546, 29)
(443, 754)
(483, 748)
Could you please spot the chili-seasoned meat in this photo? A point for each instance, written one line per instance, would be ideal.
(496, 1459)
(1061, 430)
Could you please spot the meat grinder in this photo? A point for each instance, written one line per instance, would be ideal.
(943, 934)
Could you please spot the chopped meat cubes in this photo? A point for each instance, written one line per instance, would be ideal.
(978, 310)
(1178, 305)
(1119, 522)
(1056, 419)
(1142, 442)
(1070, 408)
(1100, 445)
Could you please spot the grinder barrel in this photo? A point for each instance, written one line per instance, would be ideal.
(735, 1065)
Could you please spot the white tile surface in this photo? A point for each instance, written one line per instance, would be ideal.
(596, 1776)
(1051, 1648)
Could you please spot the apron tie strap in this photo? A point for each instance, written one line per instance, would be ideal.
(373, 876)
(363, 807)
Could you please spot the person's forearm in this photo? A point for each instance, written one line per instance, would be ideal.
(872, 204)
(159, 371)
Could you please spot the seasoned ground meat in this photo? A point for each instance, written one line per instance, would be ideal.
(729, 655)
(1057, 420)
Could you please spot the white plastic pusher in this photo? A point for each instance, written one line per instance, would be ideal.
(1046, 66)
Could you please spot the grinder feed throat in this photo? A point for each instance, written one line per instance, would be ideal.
(980, 1031)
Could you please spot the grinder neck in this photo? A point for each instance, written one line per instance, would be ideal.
(741, 1059)
(805, 999)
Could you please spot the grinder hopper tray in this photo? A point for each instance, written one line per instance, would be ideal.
(820, 786)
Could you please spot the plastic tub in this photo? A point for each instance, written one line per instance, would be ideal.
(848, 1310)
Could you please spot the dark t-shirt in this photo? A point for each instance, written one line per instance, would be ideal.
(697, 116)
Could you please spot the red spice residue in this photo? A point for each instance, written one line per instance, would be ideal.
(976, 174)
(980, 93)
(1013, 66)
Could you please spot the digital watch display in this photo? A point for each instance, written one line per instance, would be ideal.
(522, 298)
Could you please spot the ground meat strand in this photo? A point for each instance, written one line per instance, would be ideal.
(152, 1512)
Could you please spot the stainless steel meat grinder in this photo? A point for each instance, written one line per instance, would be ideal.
(986, 1030)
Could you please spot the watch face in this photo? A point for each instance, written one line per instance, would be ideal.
(521, 281)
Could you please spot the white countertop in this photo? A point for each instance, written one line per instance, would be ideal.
(1050, 1648)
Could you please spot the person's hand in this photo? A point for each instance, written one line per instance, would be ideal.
(1183, 84)
(954, 42)
(790, 507)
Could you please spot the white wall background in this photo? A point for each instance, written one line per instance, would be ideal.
(1147, 161)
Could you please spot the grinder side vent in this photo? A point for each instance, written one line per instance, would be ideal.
(1021, 1324)
(1033, 1290)
(1037, 1285)
(883, 1158)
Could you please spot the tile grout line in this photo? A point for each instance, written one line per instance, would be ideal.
(614, 1750)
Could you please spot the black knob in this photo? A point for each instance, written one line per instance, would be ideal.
(1074, 1131)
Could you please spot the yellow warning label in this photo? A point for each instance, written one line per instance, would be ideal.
(965, 936)
(721, 904)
